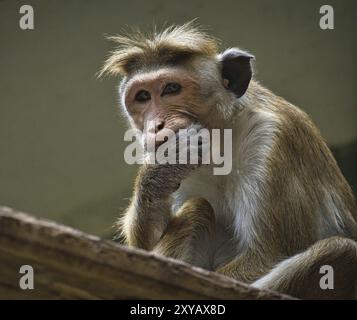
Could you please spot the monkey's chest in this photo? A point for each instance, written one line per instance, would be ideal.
(204, 185)
(220, 246)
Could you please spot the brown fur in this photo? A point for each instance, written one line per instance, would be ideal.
(195, 217)
(172, 45)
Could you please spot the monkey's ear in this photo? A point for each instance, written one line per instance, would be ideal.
(236, 70)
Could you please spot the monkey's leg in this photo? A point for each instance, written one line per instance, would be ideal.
(300, 275)
(249, 266)
(191, 227)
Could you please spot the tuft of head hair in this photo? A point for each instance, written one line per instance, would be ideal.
(171, 45)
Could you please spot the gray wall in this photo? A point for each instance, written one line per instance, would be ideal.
(61, 135)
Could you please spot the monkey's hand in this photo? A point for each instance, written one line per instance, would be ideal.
(174, 161)
(159, 181)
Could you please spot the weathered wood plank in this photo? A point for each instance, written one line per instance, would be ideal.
(69, 264)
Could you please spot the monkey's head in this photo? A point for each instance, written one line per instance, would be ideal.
(176, 78)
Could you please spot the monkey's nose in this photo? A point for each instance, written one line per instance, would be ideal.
(158, 126)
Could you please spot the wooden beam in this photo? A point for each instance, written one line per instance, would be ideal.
(69, 264)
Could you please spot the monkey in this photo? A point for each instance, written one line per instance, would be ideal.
(285, 209)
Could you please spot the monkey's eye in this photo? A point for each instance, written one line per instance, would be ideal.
(171, 87)
(142, 96)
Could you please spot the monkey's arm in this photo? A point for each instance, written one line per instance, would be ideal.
(149, 213)
(144, 222)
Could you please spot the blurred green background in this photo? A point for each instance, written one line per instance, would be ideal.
(61, 133)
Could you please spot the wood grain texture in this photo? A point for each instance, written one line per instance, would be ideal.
(69, 264)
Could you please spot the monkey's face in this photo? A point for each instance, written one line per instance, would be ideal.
(177, 78)
(168, 98)
(175, 97)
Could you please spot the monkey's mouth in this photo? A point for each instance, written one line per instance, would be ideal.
(173, 137)
(184, 146)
